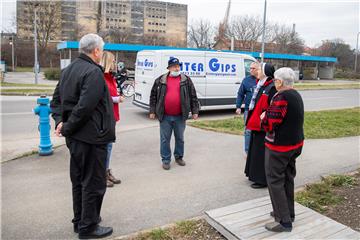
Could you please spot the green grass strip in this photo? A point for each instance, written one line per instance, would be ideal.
(317, 125)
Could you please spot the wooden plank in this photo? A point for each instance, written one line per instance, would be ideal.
(260, 219)
(225, 232)
(238, 207)
(256, 223)
(300, 230)
(347, 233)
(247, 220)
(326, 230)
(245, 215)
(263, 233)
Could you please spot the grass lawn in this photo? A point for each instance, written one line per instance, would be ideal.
(6, 84)
(29, 69)
(318, 125)
(323, 86)
(20, 91)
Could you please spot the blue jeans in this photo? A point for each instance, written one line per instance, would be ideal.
(108, 156)
(247, 134)
(167, 126)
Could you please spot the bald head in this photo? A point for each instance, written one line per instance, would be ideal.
(254, 68)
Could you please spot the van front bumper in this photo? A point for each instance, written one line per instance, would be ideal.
(140, 104)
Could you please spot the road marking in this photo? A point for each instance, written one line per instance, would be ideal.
(16, 114)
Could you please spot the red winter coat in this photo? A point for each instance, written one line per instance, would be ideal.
(262, 102)
(111, 84)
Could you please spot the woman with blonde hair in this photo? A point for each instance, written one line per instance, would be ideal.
(109, 65)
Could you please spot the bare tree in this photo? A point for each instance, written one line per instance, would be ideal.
(48, 20)
(247, 29)
(48, 24)
(154, 39)
(201, 34)
(119, 35)
(287, 40)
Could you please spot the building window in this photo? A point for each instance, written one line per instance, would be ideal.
(156, 24)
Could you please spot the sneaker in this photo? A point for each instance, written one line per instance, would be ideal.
(111, 177)
(273, 215)
(180, 161)
(166, 166)
(277, 227)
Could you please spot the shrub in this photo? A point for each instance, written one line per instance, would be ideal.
(52, 74)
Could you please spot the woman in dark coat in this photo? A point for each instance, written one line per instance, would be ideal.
(265, 90)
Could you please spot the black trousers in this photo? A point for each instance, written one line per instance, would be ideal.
(280, 173)
(88, 178)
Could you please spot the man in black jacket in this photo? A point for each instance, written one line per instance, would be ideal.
(173, 97)
(82, 110)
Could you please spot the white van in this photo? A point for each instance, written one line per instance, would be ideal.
(216, 75)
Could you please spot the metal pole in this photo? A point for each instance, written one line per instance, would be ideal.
(263, 34)
(357, 51)
(36, 65)
(12, 52)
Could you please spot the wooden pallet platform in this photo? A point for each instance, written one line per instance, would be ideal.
(246, 220)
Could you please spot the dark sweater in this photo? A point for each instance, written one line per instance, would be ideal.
(284, 119)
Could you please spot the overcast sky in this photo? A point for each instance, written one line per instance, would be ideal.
(315, 20)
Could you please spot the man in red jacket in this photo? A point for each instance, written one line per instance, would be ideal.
(173, 97)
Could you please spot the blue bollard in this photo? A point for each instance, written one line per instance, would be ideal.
(43, 110)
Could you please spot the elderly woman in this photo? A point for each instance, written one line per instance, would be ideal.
(283, 123)
(260, 101)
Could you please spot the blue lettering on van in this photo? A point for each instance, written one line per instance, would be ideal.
(216, 66)
(145, 63)
(194, 67)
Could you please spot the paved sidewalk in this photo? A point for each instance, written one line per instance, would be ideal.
(36, 192)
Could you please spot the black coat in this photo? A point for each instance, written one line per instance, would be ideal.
(82, 102)
(189, 100)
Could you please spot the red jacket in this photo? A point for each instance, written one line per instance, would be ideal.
(262, 102)
(111, 84)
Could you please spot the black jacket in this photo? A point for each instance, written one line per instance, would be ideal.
(189, 100)
(82, 102)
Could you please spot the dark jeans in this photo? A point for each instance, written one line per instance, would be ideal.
(168, 125)
(280, 173)
(247, 134)
(88, 178)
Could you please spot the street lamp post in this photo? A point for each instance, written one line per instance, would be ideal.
(263, 34)
(357, 51)
(12, 43)
(36, 64)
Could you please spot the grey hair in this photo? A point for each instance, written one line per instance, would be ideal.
(287, 75)
(89, 42)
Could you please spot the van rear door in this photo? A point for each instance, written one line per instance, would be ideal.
(144, 78)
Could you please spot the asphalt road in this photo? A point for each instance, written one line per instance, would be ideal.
(18, 119)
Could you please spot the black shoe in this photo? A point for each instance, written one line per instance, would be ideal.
(272, 214)
(76, 227)
(258, 185)
(99, 232)
(166, 166)
(180, 161)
